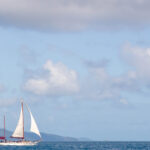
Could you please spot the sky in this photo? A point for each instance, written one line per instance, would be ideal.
(81, 66)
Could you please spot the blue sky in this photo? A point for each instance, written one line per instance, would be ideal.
(83, 67)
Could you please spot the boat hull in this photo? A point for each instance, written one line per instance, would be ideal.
(19, 143)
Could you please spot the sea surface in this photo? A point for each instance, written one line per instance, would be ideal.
(83, 146)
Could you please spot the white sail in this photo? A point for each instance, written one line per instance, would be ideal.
(19, 131)
(33, 127)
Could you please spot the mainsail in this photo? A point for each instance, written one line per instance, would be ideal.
(33, 127)
(19, 131)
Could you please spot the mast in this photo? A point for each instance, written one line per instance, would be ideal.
(22, 119)
(4, 126)
(3, 137)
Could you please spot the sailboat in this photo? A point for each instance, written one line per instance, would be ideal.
(19, 131)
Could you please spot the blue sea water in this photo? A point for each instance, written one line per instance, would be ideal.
(83, 146)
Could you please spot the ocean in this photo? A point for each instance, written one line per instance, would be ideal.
(83, 146)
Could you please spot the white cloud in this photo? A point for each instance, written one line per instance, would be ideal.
(57, 80)
(74, 14)
(139, 60)
(102, 85)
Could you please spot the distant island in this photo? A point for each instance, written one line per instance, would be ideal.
(46, 137)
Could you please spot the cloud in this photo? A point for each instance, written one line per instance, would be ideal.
(98, 84)
(56, 80)
(102, 85)
(136, 80)
(74, 15)
(139, 60)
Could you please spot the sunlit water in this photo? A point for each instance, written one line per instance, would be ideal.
(83, 146)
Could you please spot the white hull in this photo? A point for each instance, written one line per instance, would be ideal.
(18, 143)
